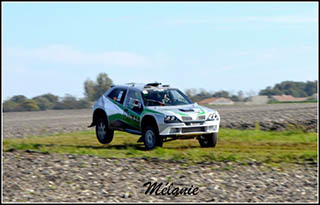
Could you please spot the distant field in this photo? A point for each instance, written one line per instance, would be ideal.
(233, 145)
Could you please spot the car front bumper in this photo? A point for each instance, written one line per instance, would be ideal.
(189, 128)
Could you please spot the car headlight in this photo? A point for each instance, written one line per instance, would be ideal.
(213, 116)
(171, 119)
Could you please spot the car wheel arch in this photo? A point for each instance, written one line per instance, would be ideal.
(148, 120)
(97, 114)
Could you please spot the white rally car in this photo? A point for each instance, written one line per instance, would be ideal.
(157, 112)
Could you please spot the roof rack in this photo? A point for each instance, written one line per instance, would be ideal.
(132, 84)
(155, 84)
(158, 85)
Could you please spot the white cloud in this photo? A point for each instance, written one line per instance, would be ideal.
(278, 19)
(248, 19)
(69, 55)
(246, 61)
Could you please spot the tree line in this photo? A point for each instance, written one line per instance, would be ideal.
(196, 95)
(296, 89)
(94, 89)
(44, 102)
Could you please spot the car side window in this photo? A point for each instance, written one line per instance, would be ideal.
(132, 98)
(118, 95)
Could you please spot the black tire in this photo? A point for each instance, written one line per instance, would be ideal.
(151, 138)
(208, 140)
(103, 133)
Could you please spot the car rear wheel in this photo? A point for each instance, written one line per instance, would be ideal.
(208, 140)
(151, 138)
(104, 134)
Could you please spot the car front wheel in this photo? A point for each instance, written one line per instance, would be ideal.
(208, 140)
(104, 134)
(151, 138)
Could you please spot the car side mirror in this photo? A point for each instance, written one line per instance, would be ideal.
(137, 104)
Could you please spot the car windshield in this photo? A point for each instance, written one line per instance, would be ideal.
(167, 97)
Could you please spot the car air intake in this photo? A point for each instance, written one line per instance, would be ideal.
(193, 129)
(186, 110)
(186, 118)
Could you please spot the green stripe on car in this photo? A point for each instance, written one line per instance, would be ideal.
(203, 111)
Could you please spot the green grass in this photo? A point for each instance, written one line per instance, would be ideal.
(271, 147)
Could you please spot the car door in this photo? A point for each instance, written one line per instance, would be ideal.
(116, 107)
(133, 109)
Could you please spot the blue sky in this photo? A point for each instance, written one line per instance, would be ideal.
(55, 47)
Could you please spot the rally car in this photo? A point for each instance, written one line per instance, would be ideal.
(157, 112)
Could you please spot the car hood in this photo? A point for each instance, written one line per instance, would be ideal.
(191, 110)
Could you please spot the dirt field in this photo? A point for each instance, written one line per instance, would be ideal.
(269, 117)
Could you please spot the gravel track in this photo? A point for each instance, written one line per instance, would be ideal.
(270, 117)
(39, 177)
